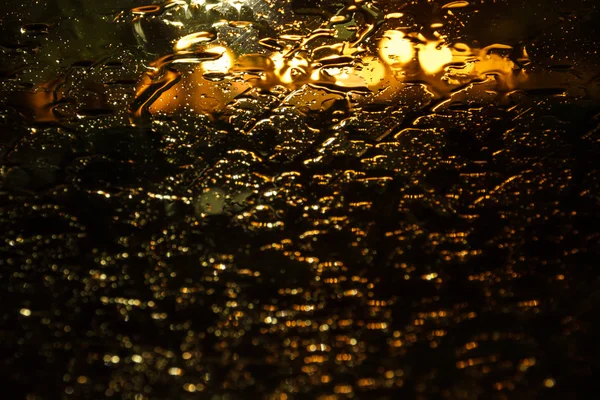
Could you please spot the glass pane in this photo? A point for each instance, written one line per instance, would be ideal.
(299, 198)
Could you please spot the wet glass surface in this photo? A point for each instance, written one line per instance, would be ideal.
(299, 199)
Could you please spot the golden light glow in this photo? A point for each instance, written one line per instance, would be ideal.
(331, 70)
(433, 57)
(291, 70)
(372, 71)
(222, 64)
(195, 92)
(395, 50)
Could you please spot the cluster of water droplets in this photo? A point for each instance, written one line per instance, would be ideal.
(277, 199)
(354, 51)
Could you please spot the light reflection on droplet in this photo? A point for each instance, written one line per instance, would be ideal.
(25, 312)
(192, 40)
